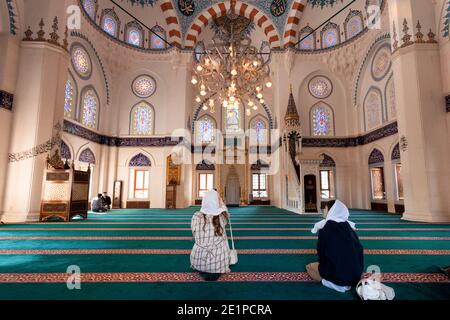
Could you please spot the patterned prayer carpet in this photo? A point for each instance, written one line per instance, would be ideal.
(144, 254)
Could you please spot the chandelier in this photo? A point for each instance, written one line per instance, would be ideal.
(231, 70)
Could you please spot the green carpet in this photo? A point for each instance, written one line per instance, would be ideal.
(144, 254)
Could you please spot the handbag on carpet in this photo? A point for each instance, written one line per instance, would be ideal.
(233, 251)
(368, 289)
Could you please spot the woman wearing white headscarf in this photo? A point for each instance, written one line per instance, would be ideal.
(211, 252)
(341, 259)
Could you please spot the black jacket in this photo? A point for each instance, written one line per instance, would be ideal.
(341, 255)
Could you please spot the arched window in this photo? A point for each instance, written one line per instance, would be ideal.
(373, 109)
(391, 98)
(134, 34)
(376, 167)
(110, 22)
(395, 158)
(322, 120)
(259, 132)
(330, 35)
(265, 51)
(70, 94)
(199, 50)
(353, 24)
(90, 108)
(206, 130)
(142, 119)
(139, 177)
(327, 178)
(232, 118)
(157, 38)
(90, 7)
(309, 43)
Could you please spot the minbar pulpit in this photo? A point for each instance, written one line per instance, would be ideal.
(65, 191)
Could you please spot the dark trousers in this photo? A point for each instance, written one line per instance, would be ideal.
(210, 276)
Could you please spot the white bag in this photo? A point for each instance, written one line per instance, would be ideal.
(233, 251)
(368, 289)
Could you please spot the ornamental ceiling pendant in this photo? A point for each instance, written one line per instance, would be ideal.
(231, 70)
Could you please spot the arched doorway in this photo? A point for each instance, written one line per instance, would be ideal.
(232, 189)
(310, 193)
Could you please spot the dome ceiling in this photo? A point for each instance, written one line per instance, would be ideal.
(181, 22)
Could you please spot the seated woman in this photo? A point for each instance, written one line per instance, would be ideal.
(341, 256)
(211, 252)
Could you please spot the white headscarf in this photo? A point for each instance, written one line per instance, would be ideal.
(211, 204)
(338, 213)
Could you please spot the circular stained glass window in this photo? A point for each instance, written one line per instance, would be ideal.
(144, 86)
(320, 87)
(81, 62)
(381, 63)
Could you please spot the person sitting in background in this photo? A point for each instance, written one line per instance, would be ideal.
(211, 252)
(341, 254)
(97, 204)
(107, 201)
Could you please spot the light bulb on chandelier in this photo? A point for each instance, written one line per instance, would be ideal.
(198, 99)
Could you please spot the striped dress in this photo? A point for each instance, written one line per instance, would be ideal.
(210, 254)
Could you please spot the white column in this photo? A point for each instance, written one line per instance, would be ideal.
(421, 114)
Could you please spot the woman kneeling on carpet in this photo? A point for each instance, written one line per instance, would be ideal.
(341, 255)
(211, 253)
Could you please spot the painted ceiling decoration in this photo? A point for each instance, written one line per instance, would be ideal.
(277, 10)
(186, 7)
(143, 2)
(323, 3)
(278, 7)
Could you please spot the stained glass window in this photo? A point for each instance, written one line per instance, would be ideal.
(206, 130)
(68, 99)
(81, 62)
(330, 35)
(110, 25)
(157, 38)
(144, 86)
(308, 43)
(259, 132)
(142, 118)
(199, 50)
(320, 87)
(134, 37)
(90, 109)
(353, 24)
(373, 109)
(322, 122)
(89, 7)
(233, 118)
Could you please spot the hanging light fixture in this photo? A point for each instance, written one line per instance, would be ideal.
(231, 69)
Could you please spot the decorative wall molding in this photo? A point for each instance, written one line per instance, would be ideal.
(53, 36)
(79, 131)
(6, 100)
(36, 151)
(386, 131)
(12, 17)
